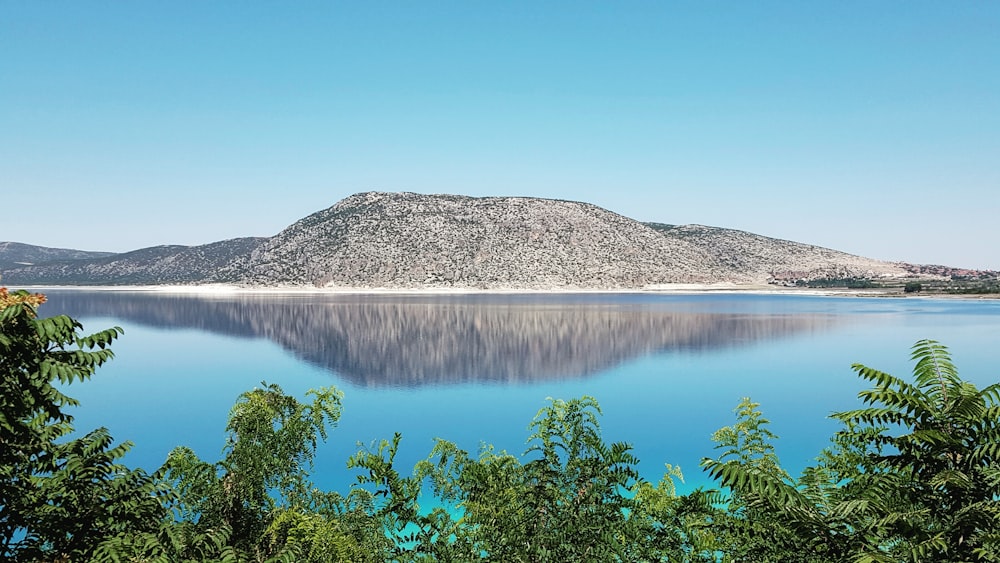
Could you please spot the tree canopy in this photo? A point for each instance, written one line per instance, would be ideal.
(61, 494)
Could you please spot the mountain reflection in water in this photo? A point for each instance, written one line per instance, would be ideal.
(420, 340)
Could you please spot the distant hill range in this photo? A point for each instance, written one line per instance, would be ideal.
(406, 240)
(15, 255)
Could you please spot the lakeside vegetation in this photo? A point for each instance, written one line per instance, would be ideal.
(955, 285)
(914, 475)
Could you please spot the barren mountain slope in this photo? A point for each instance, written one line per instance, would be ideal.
(412, 240)
(405, 240)
(146, 266)
(15, 254)
(764, 259)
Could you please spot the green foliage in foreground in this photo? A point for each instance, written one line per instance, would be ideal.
(913, 475)
(59, 496)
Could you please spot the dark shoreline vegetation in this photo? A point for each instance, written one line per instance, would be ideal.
(912, 475)
(956, 285)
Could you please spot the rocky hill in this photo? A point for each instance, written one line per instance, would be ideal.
(406, 240)
(410, 240)
(147, 266)
(779, 260)
(14, 255)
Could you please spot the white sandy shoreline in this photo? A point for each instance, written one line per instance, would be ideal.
(672, 289)
(662, 289)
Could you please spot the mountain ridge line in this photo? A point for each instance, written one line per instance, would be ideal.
(404, 240)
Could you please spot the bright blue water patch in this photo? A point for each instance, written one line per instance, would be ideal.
(667, 369)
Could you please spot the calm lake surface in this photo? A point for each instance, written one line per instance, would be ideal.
(667, 370)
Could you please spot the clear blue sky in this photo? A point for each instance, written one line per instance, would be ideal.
(869, 127)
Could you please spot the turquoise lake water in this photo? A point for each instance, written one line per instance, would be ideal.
(667, 370)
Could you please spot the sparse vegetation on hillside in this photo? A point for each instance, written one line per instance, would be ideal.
(848, 283)
(406, 240)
